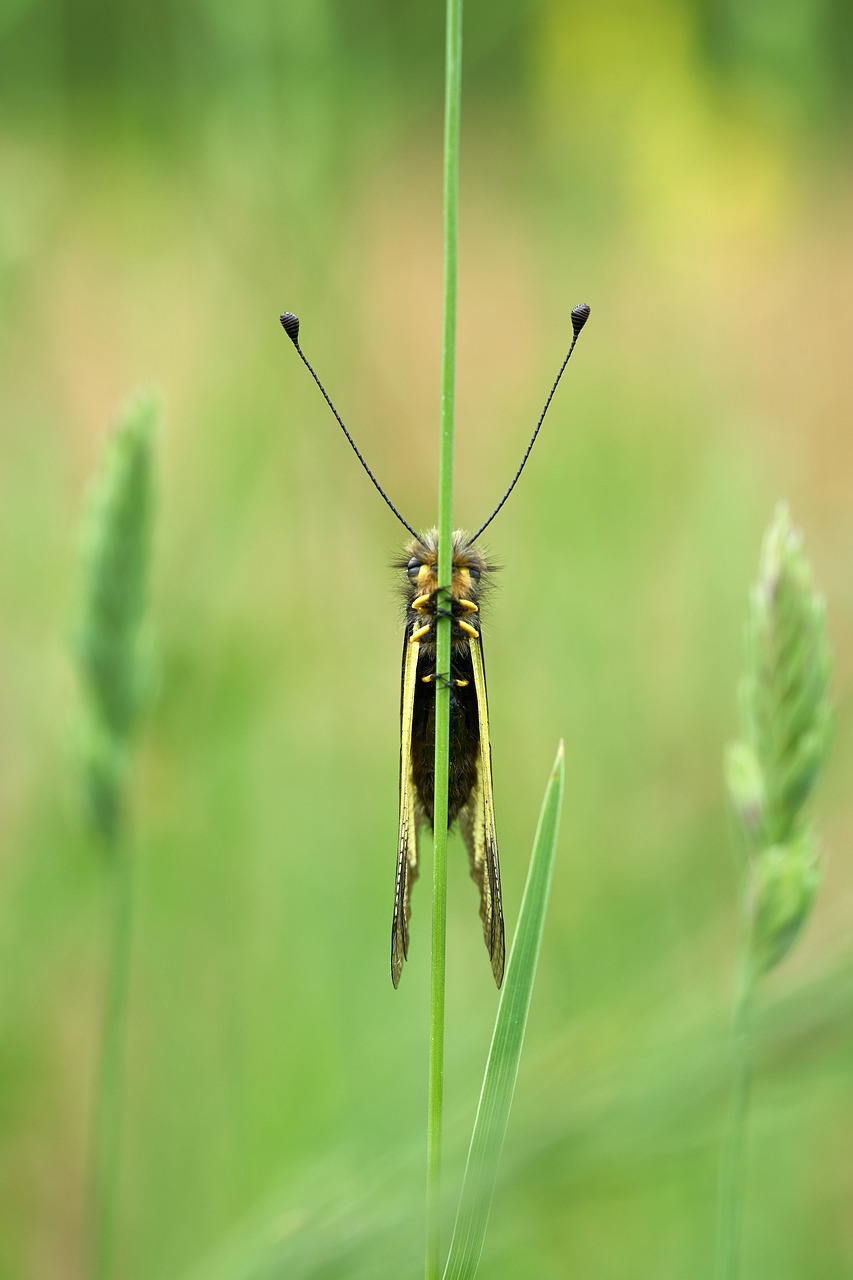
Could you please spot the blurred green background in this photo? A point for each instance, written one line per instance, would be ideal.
(174, 174)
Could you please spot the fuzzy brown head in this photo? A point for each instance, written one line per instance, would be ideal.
(421, 565)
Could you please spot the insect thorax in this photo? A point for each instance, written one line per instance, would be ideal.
(423, 597)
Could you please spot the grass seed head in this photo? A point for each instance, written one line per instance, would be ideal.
(785, 714)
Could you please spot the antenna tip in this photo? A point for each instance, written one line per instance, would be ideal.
(290, 325)
(580, 315)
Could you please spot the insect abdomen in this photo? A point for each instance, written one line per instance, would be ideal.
(464, 738)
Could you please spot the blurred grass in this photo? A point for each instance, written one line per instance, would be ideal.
(167, 190)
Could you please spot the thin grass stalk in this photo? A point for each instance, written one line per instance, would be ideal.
(732, 1168)
(452, 104)
(108, 1108)
(114, 567)
(786, 716)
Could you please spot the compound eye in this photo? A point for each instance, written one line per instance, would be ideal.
(413, 569)
(474, 572)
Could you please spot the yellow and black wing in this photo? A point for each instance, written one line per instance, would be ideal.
(407, 841)
(478, 827)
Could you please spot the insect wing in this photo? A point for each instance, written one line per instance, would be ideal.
(479, 827)
(407, 842)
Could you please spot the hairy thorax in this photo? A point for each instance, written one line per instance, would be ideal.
(423, 601)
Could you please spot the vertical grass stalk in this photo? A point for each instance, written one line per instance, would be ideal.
(114, 555)
(732, 1181)
(786, 716)
(452, 103)
(108, 1106)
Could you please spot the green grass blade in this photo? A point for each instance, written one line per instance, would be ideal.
(505, 1053)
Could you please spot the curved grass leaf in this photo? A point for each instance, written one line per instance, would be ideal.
(505, 1053)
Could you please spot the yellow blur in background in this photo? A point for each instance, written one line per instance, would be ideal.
(174, 175)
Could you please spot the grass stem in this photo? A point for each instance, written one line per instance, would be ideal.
(732, 1179)
(453, 86)
(107, 1116)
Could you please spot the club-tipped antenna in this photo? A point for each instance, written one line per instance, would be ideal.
(580, 315)
(290, 324)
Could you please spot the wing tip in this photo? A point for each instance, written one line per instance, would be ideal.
(399, 950)
(497, 955)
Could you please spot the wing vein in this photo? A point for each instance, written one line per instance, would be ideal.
(407, 842)
(488, 875)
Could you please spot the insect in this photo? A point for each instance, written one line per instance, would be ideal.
(470, 794)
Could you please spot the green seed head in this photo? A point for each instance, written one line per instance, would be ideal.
(785, 719)
(785, 706)
(114, 562)
(785, 881)
(745, 786)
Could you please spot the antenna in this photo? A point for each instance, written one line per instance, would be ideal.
(580, 315)
(290, 324)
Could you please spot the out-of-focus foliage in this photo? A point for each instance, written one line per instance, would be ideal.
(114, 571)
(174, 176)
(785, 722)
